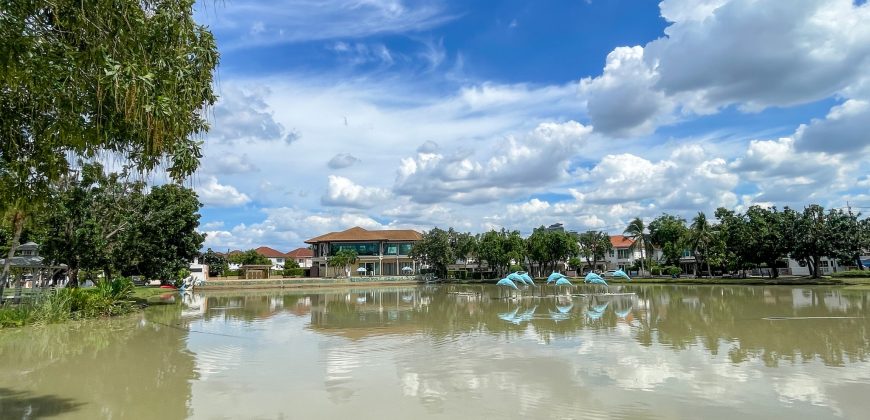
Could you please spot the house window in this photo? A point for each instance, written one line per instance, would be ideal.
(623, 254)
(823, 263)
(611, 253)
(391, 249)
(361, 248)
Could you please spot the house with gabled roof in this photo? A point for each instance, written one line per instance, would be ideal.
(302, 256)
(379, 252)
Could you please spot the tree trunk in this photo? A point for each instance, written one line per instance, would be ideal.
(17, 226)
(816, 263)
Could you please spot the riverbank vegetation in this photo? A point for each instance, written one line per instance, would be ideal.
(128, 83)
(759, 238)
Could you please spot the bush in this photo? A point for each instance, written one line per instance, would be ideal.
(852, 274)
(515, 268)
(231, 273)
(672, 271)
(15, 316)
(656, 271)
(293, 272)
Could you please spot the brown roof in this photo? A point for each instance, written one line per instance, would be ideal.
(621, 241)
(269, 252)
(359, 234)
(300, 253)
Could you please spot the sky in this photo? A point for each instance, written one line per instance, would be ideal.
(395, 114)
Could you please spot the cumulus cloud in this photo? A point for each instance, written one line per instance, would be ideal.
(785, 175)
(242, 115)
(531, 160)
(753, 54)
(342, 160)
(230, 164)
(845, 129)
(622, 101)
(212, 193)
(343, 192)
(688, 179)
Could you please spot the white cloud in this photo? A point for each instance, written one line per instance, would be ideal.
(244, 115)
(343, 192)
(229, 164)
(288, 21)
(342, 160)
(845, 129)
(622, 101)
(215, 194)
(753, 54)
(517, 163)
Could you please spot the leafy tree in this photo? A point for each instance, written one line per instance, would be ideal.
(343, 258)
(290, 264)
(499, 248)
(575, 263)
(249, 257)
(217, 263)
(548, 247)
(594, 246)
(810, 237)
(435, 250)
(846, 236)
(636, 231)
(734, 236)
(668, 232)
(699, 237)
(164, 239)
(122, 77)
(766, 238)
(90, 212)
(465, 247)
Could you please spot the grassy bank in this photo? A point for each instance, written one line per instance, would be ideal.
(113, 298)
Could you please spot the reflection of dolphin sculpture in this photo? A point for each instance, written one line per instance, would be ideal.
(554, 277)
(528, 315)
(600, 308)
(526, 277)
(407, 298)
(509, 316)
(559, 316)
(507, 283)
(516, 278)
(565, 309)
(623, 314)
(563, 282)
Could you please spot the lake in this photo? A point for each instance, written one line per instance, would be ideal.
(454, 351)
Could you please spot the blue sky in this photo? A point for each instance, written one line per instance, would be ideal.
(480, 115)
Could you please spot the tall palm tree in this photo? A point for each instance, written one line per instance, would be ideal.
(635, 231)
(700, 236)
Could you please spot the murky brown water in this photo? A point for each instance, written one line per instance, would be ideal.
(430, 352)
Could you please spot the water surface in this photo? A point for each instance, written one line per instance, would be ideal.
(454, 352)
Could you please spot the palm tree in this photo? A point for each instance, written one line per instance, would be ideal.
(635, 232)
(700, 235)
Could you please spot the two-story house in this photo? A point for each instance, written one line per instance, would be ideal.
(621, 256)
(379, 252)
(302, 256)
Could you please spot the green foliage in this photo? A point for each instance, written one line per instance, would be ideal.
(290, 264)
(15, 316)
(656, 271)
(249, 257)
(548, 247)
(594, 246)
(636, 231)
(217, 263)
(500, 248)
(435, 250)
(669, 232)
(672, 270)
(294, 272)
(343, 258)
(852, 274)
(575, 263)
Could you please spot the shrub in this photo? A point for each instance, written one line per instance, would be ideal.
(672, 271)
(656, 271)
(15, 316)
(852, 274)
(515, 268)
(293, 272)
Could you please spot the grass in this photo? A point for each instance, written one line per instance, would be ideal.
(107, 299)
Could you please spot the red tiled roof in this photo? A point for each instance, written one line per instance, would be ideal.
(359, 234)
(269, 252)
(621, 241)
(300, 253)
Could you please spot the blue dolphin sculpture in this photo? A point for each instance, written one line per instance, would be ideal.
(516, 278)
(507, 283)
(594, 278)
(526, 277)
(621, 274)
(563, 282)
(555, 276)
